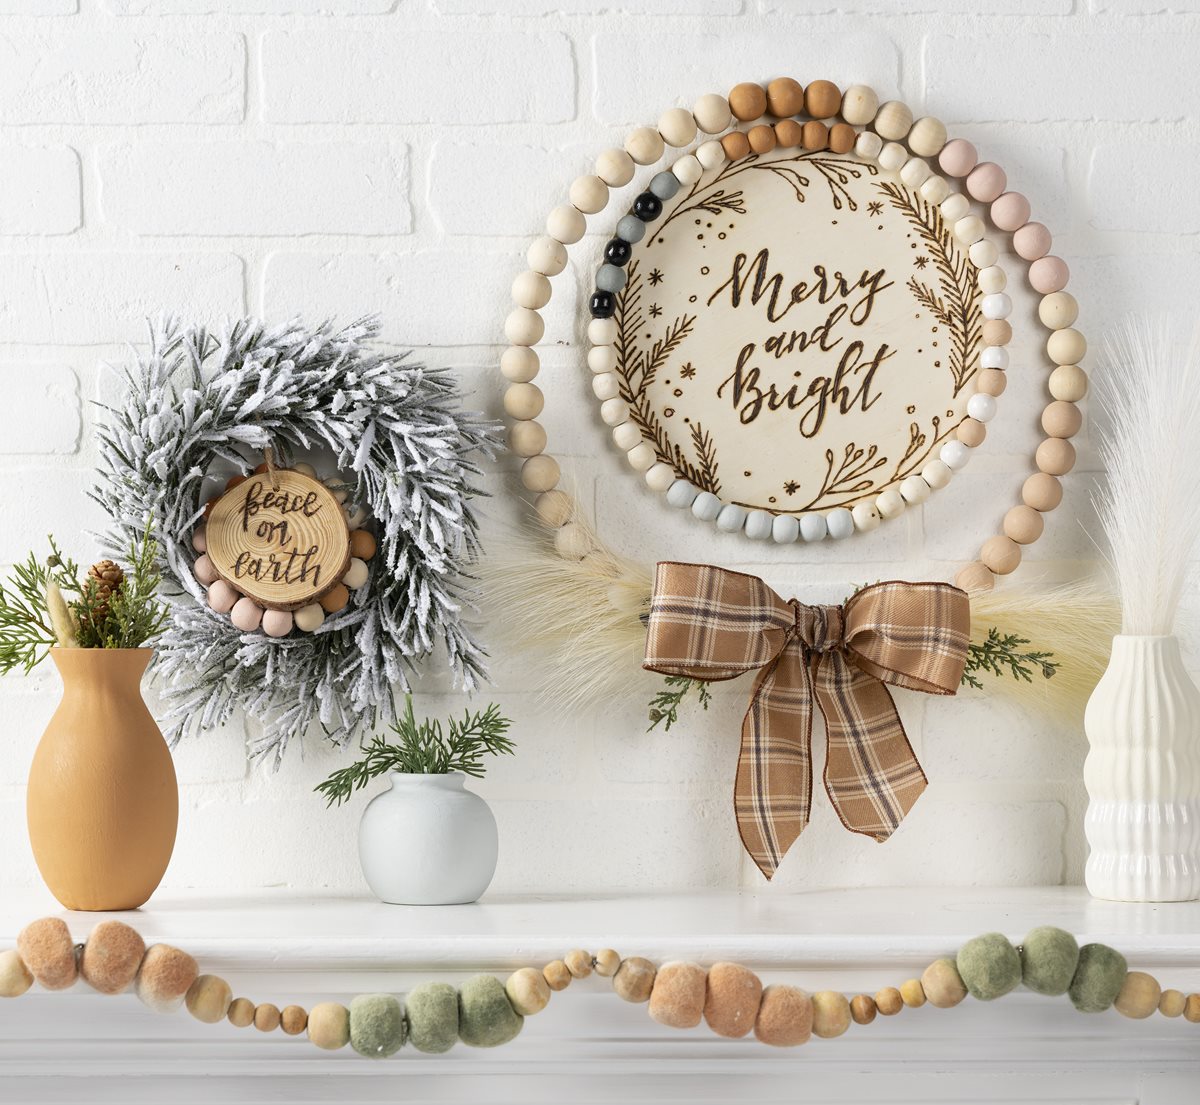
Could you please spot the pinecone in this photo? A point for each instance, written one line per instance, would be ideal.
(104, 580)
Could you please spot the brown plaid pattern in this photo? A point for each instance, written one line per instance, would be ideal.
(712, 624)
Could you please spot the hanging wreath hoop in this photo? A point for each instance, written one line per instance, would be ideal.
(406, 453)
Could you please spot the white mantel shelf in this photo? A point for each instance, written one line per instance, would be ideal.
(589, 1047)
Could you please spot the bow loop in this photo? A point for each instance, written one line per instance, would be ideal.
(821, 628)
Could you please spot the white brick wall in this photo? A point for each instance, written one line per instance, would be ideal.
(214, 156)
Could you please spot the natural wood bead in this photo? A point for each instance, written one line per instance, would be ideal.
(927, 137)
(1061, 419)
(556, 974)
(531, 289)
(859, 105)
(862, 1009)
(736, 145)
(527, 990)
(526, 439)
(615, 167)
(547, 255)
(815, 136)
(971, 432)
(1171, 1003)
(15, 977)
(578, 962)
(329, 1025)
(634, 979)
(712, 113)
(822, 99)
(607, 962)
(785, 97)
(1000, 554)
(1055, 456)
(747, 101)
(888, 1001)
(524, 327)
(573, 541)
(761, 138)
(831, 1010)
(991, 381)
(1058, 310)
(523, 401)
(677, 126)
(589, 194)
(554, 508)
(943, 985)
(519, 364)
(1139, 996)
(293, 1020)
(842, 137)
(1042, 491)
(1191, 1008)
(1066, 346)
(540, 473)
(997, 331)
(913, 993)
(266, 1017)
(1023, 524)
(975, 577)
(893, 121)
(208, 999)
(566, 223)
(644, 145)
(788, 133)
(241, 1013)
(1069, 383)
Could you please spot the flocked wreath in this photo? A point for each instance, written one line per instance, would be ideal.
(407, 453)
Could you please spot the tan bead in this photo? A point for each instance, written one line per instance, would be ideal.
(736, 145)
(47, 950)
(556, 974)
(927, 137)
(607, 962)
(1058, 310)
(1061, 419)
(822, 99)
(208, 999)
(523, 401)
(991, 381)
(788, 134)
(815, 135)
(761, 138)
(971, 432)
(528, 991)
(15, 977)
(842, 137)
(1069, 383)
(573, 541)
(942, 984)
(912, 993)
(1001, 554)
(677, 999)
(862, 1009)
(329, 1025)
(519, 364)
(785, 97)
(266, 1017)
(732, 999)
(1066, 346)
(1191, 1008)
(335, 599)
(893, 121)
(831, 1010)
(634, 979)
(1055, 456)
(997, 331)
(859, 105)
(527, 439)
(888, 1001)
(540, 473)
(293, 1019)
(1042, 492)
(554, 508)
(1139, 996)
(1023, 524)
(747, 101)
(111, 957)
(1171, 1003)
(973, 578)
(241, 1013)
(578, 962)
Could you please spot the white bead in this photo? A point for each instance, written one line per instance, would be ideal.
(602, 358)
(892, 156)
(602, 331)
(996, 305)
(614, 411)
(890, 503)
(937, 473)
(732, 518)
(688, 169)
(866, 517)
(859, 105)
(916, 172)
(813, 526)
(711, 154)
(681, 493)
(642, 457)
(992, 279)
(706, 506)
(524, 327)
(969, 230)
(915, 490)
(659, 477)
(644, 145)
(356, 574)
(566, 224)
(615, 167)
(984, 253)
(935, 189)
(955, 455)
(605, 385)
(994, 356)
(785, 529)
(867, 145)
(589, 194)
(547, 255)
(840, 523)
(982, 407)
(712, 113)
(955, 207)
(626, 436)
(677, 126)
(758, 525)
(531, 289)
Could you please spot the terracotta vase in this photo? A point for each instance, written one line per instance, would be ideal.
(102, 802)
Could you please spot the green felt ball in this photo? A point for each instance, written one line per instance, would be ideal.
(485, 1017)
(376, 1025)
(1098, 978)
(432, 1010)
(990, 966)
(1049, 957)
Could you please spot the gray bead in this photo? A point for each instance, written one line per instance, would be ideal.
(840, 523)
(664, 185)
(706, 507)
(813, 527)
(609, 278)
(785, 529)
(731, 519)
(681, 493)
(631, 228)
(758, 525)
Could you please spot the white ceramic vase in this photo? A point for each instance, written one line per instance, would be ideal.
(427, 840)
(1143, 775)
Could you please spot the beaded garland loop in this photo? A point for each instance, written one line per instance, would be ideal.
(753, 121)
(487, 1012)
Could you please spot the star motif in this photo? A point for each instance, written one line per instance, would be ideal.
(791, 487)
(655, 310)
(688, 371)
(921, 261)
(875, 207)
(655, 277)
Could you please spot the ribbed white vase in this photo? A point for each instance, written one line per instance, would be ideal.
(1143, 775)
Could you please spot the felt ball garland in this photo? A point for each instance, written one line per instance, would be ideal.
(486, 1012)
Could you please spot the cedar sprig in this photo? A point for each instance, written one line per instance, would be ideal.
(1001, 654)
(664, 706)
(26, 630)
(422, 748)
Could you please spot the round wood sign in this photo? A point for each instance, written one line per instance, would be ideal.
(283, 543)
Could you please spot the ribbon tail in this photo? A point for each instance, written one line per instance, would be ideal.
(773, 792)
(871, 772)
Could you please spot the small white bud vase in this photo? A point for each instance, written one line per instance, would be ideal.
(427, 840)
(1143, 775)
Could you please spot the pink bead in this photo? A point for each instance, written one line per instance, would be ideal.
(203, 570)
(199, 538)
(1049, 274)
(1010, 211)
(277, 623)
(221, 597)
(986, 182)
(1032, 241)
(958, 157)
(246, 615)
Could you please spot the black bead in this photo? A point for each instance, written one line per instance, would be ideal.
(603, 305)
(618, 252)
(647, 207)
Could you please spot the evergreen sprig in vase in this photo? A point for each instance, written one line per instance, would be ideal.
(1143, 720)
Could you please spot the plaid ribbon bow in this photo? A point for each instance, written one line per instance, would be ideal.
(712, 624)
